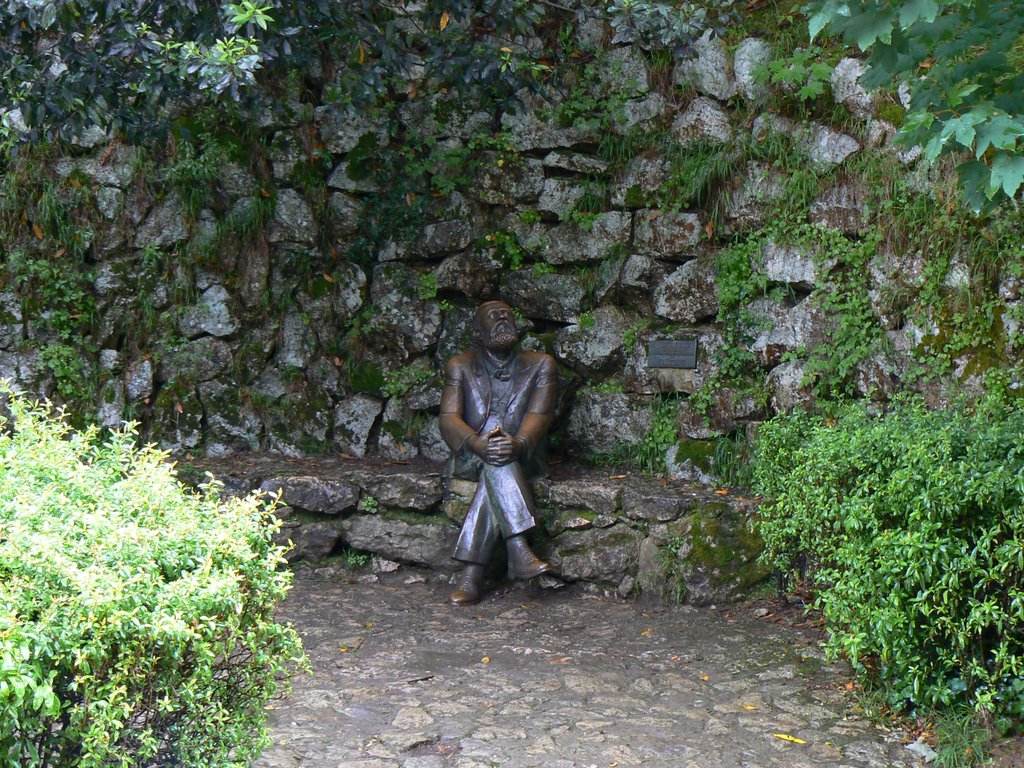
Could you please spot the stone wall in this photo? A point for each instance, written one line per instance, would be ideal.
(297, 299)
(624, 534)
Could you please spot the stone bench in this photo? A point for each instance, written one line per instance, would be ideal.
(628, 533)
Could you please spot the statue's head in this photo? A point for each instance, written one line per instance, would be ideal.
(495, 326)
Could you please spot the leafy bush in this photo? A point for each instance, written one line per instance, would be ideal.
(915, 523)
(135, 615)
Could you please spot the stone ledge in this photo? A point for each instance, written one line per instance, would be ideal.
(628, 533)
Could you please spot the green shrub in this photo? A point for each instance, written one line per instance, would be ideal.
(135, 616)
(914, 521)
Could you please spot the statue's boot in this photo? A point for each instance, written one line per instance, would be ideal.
(522, 563)
(468, 590)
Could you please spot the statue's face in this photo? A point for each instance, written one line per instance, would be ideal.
(498, 326)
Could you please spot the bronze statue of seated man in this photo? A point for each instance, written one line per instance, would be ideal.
(496, 406)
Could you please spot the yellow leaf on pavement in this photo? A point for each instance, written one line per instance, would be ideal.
(485, 660)
(787, 737)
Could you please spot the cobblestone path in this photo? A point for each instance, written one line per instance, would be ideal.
(557, 679)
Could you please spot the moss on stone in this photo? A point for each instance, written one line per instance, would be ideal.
(700, 452)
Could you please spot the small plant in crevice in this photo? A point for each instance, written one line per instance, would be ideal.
(648, 455)
(403, 380)
(673, 567)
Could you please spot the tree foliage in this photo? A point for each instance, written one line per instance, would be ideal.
(129, 66)
(962, 62)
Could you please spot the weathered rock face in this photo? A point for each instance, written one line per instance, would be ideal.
(667, 235)
(413, 323)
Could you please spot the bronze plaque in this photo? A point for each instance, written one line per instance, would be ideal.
(672, 353)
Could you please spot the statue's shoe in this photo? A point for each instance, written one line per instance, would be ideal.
(468, 590)
(522, 563)
(463, 597)
(531, 569)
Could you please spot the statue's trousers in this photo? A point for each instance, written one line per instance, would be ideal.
(502, 505)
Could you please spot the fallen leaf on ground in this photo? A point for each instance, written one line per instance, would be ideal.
(787, 737)
(646, 632)
(705, 678)
(563, 660)
(722, 491)
(748, 707)
(616, 477)
(485, 660)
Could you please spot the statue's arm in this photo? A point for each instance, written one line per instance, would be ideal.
(541, 409)
(454, 429)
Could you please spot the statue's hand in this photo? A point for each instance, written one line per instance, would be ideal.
(502, 448)
(478, 444)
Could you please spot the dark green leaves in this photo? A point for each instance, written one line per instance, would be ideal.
(915, 523)
(960, 63)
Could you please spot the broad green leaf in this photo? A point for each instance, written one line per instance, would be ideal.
(867, 28)
(914, 10)
(974, 178)
(999, 132)
(821, 18)
(1007, 175)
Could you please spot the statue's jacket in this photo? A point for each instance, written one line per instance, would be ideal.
(469, 405)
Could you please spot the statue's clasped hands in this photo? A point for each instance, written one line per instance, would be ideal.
(497, 447)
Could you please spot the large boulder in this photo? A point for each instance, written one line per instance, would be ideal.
(667, 235)
(314, 494)
(421, 540)
(408, 321)
(688, 294)
(601, 421)
(164, 226)
(354, 417)
(786, 329)
(508, 183)
(709, 71)
(213, 314)
(751, 54)
(600, 555)
(293, 220)
(418, 489)
(341, 128)
(570, 243)
(702, 120)
(642, 178)
(596, 345)
(548, 296)
(847, 90)
(710, 555)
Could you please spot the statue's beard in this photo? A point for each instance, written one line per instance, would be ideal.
(502, 339)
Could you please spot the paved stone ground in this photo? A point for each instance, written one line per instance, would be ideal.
(557, 679)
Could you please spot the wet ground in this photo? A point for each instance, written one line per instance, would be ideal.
(558, 679)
